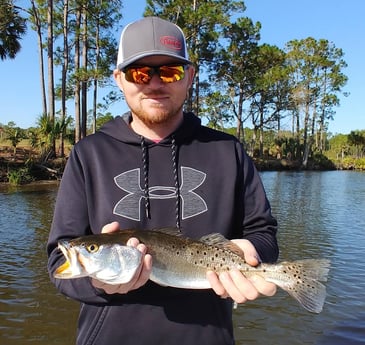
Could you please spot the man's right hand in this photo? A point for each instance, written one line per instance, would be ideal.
(142, 275)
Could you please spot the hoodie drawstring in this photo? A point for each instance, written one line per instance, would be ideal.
(145, 166)
(145, 177)
(174, 153)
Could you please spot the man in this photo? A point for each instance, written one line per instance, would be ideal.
(157, 166)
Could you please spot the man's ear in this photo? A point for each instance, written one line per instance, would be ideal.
(117, 74)
(191, 74)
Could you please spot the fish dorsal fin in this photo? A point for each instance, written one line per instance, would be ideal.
(218, 240)
(170, 231)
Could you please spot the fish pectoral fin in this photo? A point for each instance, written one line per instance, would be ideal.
(170, 231)
(218, 240)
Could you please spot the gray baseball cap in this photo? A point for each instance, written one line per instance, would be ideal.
(151, 36)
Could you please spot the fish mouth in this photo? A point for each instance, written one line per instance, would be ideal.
(65, 270)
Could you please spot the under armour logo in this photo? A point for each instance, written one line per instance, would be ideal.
(129, 206)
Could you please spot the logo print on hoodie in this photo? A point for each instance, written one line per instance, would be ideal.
(129, 206)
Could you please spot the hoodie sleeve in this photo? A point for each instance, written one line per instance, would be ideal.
(259, 226)
(71, 220)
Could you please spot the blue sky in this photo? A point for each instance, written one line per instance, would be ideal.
(341, 22)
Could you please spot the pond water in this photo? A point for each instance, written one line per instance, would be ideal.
(321, 214)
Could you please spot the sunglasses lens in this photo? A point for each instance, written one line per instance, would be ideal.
(143, 75)
(139, 75)
(170, 74)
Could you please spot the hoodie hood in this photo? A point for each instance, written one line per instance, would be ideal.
(119, 129)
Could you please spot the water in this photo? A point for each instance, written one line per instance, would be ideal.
(321, 214)
(31, 311)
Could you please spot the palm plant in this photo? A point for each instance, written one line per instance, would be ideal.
(12, 28)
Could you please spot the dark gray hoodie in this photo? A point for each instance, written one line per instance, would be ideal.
(198, 179)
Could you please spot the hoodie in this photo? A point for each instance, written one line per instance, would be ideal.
(197, 179)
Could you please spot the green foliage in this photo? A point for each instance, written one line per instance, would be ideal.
(12, 28)
(351, 163)
(102, 119)
(19, 176)
(46, 134)
(14, 134)
(321, 161)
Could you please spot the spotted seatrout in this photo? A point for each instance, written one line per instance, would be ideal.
(183, 262)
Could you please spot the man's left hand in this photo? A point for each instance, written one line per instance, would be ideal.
(235, 285)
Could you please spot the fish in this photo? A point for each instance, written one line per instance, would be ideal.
(183, 262)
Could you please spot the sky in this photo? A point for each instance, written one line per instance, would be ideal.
(341, 22)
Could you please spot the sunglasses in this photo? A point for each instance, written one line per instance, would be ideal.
(143, 74)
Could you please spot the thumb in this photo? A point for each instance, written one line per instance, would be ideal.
(110, 227)
(252, 259)
(249, 250)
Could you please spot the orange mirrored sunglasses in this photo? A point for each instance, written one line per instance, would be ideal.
(143, 74)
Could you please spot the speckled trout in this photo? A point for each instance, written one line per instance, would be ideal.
(182, 262)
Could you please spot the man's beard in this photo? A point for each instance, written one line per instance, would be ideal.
(159, 117)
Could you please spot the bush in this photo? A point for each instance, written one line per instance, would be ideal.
(19, 176)
(321, 162)
(353, 163)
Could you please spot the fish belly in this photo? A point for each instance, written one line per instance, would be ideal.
(181, 280)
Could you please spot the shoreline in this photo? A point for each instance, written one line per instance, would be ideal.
(23, 172)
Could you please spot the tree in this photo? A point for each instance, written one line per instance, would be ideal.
(270, 91)
(316, 70)
(37, 22)
(50, 64)
(357, 139)
(83, 44)
(12, 28)
(15, 135)
(235, 63)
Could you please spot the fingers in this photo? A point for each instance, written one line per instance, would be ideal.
(263, 287)
(142, 274)
(216, 285)
(233, 284)
(111, 227)
(140, 278)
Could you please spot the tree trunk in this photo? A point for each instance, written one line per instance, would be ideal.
(77, 82)
(306, 142)
(261, 139)
(51, 95)
(38, 25)
(64, 75)
(97, 57)
(84, 68)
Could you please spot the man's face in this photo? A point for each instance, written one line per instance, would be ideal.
(157, 102)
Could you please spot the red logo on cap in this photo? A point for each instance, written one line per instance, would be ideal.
(171, 42)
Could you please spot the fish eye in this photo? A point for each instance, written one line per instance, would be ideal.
(92, 248)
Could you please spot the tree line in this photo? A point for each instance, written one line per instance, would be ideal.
(256, 88)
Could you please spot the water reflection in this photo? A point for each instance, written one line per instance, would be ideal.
(30, 309)
(320, 215)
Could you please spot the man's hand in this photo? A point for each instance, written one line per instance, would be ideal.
(141, 276)
(235, 285)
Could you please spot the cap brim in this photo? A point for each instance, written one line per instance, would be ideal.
(135, 58)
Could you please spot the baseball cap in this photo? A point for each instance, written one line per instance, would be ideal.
(151, 36)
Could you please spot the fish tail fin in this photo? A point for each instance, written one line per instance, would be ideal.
(302, 280)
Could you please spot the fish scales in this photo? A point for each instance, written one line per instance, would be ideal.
(182, 262)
